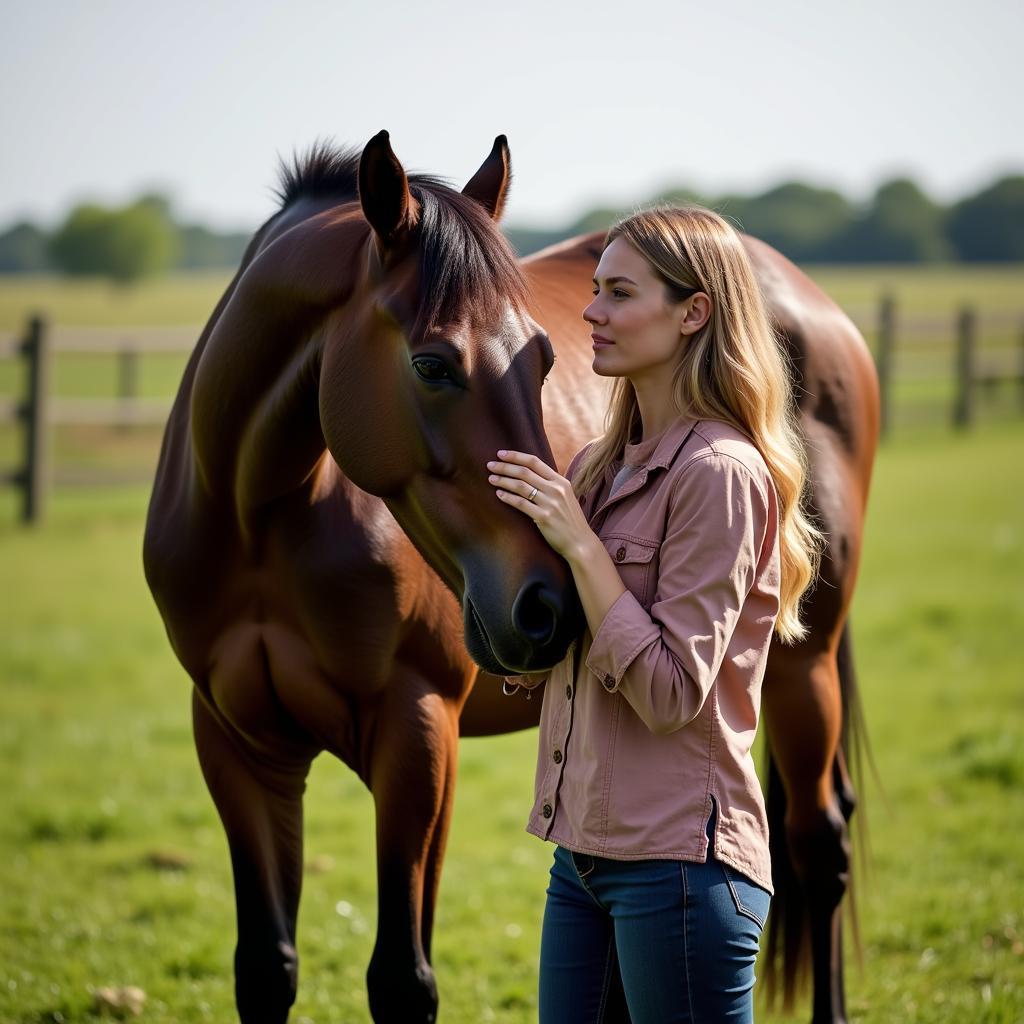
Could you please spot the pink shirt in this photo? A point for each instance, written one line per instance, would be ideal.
(660, 713)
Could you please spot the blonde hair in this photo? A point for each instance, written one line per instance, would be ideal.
(732, 369)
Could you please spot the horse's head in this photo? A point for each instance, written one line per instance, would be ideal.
(433, 366)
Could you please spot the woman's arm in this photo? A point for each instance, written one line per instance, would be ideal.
(663, 661)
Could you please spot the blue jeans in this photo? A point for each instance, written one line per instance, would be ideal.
(648, 942)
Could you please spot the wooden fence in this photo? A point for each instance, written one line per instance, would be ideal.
(953, 344)
(38, 410)
(938, 348)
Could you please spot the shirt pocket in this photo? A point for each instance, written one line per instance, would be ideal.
(634, 558)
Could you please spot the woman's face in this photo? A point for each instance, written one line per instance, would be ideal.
(636, 329)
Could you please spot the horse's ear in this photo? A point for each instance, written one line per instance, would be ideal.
(489, 186)
(384, 190)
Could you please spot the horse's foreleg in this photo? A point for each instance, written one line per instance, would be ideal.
(413, 760)
(803, 715)
(261, 808)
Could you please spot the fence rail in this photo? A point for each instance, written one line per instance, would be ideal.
(951, 346)
(118, 412)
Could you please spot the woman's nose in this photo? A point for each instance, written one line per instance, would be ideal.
(592, 314)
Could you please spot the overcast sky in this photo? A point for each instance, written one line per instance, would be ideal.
(600, 101)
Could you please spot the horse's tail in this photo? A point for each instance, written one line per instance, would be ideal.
(787, 954)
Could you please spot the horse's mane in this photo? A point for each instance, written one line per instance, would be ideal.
(323, 170)
(465, 261)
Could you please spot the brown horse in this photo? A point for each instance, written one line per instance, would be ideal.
(332, 565)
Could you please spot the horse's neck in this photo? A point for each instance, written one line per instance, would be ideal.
(254, 414)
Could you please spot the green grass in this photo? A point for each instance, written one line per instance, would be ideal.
(114, 868)
(175, 299)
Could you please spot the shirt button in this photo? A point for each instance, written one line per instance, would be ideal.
(547, 811)
(621, 553)
(568, 693)
(609, 682)
(557, 757)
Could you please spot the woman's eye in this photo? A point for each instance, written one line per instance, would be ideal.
(431, 369)
(620, 294)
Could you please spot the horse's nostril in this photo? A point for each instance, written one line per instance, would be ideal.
(535, 613)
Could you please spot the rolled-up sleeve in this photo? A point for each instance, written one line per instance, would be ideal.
(664, 662)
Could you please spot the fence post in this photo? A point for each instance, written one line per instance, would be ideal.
(127, 377)
(963, 406)
(883, 358)
(1020, 371)
(36, 472)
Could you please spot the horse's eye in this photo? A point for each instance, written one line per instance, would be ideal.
(431, 369)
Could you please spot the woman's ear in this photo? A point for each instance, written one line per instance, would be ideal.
(696, 313)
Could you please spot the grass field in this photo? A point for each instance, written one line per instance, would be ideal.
(114, 868)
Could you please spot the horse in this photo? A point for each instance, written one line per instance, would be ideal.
(335, 574)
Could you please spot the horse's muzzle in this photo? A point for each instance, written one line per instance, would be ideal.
(535, 636)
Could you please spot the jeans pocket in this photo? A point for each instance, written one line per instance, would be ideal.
(751, 900)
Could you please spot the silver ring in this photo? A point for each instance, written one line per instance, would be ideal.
(532, 495)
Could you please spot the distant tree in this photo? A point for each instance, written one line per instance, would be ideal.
(157, 202)
(600, 218)
(201, 248)
(799, 220)
(902, 225)
(681, 195)
(124, 244)
(144, 241)
(990, 224)
(23, 250)
(528, 240)
(78, 247)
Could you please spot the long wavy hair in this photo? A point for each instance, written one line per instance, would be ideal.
(733, 370)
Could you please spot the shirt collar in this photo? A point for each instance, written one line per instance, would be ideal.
(668, 446)
(671, 441)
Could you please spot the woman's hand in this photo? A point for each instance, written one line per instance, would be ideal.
(530, 485)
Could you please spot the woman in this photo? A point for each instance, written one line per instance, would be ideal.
(684, 531)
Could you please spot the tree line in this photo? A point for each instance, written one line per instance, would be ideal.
(899, 224)
(809, 224)
(123, 244)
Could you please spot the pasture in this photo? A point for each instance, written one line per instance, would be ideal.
(114, 868)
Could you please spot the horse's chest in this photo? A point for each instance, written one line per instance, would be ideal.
(328, 582)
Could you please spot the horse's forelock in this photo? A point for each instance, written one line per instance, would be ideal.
(465, 262)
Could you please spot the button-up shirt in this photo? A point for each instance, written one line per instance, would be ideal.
(652, 718)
